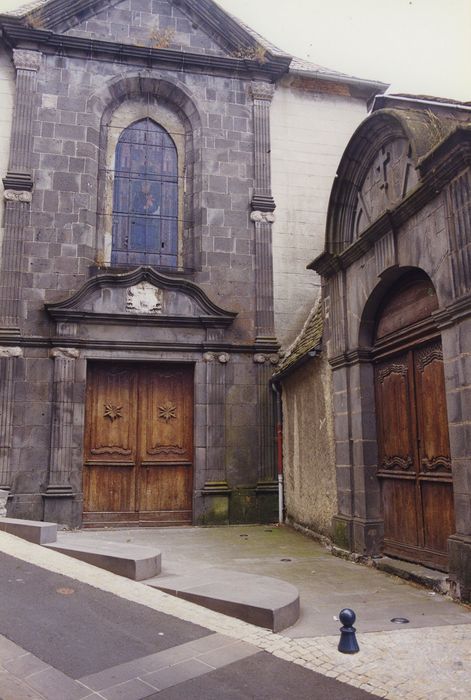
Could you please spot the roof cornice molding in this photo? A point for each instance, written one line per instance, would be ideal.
(17, 35)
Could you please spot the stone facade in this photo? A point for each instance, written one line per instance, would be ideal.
(83, 74)
(401, 202)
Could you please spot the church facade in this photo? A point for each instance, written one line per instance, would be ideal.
(141, 308)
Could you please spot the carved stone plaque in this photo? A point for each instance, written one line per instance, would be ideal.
(144, 298)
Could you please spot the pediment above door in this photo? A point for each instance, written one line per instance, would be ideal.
(143, 296)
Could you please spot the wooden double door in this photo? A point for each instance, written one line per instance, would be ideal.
(414, 466)
(138, 467)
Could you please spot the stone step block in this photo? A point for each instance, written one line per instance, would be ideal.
(131, 561)
(35, 531)
(261, 600)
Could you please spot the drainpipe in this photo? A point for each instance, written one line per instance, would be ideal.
(279, 447)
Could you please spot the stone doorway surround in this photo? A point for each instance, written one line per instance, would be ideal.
(127, 318)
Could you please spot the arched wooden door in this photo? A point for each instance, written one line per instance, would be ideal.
(414, 466)
(138, 467)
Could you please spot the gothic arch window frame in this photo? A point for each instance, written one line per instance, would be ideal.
(127, 108)
(146, 197)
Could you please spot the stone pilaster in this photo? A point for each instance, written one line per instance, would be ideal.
(59, 494)
(18, 184)
(263, 206)
(267, 485)
(216, 491)
(62, 420)
(8, 358)
(458, 198)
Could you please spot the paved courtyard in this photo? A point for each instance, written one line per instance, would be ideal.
(428, 659)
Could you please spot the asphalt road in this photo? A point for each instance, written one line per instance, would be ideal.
(84, 632)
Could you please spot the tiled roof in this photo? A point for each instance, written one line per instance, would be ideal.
(309, 339)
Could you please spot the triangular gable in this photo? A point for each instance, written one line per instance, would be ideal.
(142, 295)
(188, 25)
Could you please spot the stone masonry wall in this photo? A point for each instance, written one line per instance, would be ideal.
(61, 242)
(155, 23)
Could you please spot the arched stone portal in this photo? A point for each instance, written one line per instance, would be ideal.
(396, 291)
(414, 464)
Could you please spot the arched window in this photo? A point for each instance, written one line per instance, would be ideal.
(145, 197)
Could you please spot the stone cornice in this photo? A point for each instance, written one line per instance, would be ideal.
(454, 312)
(19, 36)
(438, 168)
(351, 357)
(262, 203)
(19, 182)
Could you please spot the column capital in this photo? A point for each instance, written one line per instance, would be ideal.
(262, 91)
(65, 353)
(9, 351)
(24, 59)
(266, 217)
(17, 196)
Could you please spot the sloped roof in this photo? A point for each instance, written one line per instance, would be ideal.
(211, 10)
(308, 340)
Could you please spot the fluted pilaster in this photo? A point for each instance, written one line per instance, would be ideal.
(18, 184)
(62, 421)
(8, 358)
(262, 214)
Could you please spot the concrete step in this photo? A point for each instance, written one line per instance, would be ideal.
(129, 560)
(261, 600)
(35, 531)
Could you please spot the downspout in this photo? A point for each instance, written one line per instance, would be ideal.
(279, 446)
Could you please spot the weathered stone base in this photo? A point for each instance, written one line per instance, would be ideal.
(214, 504)
(342, 532)
(26, 506)
(253, 505)
(63, 508)
(368, 536)
(364, 537)
(267, 501)
(459, 557)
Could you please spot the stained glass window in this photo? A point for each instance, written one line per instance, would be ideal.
(145, 197)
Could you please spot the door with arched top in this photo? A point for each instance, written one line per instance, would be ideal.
(414, 465)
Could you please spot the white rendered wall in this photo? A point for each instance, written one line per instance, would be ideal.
(309, 132)
(7, 91)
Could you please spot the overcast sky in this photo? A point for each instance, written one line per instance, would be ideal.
(419, 46)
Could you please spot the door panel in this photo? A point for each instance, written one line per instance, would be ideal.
(166, 445)
(438, 512)
(414, 465)
(400, 513)
(138, 444)
(395, 425)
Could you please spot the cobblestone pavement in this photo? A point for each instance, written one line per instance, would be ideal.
(429, 663)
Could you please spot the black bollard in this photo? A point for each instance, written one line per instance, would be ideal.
(348, 642)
